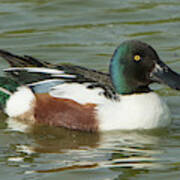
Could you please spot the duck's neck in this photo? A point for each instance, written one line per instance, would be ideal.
(117, 70)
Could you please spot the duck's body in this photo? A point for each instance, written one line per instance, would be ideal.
(88, 110)
(83, 99)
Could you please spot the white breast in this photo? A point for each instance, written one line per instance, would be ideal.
(143, 111)
(138, 111)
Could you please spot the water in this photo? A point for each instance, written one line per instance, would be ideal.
(86, 33)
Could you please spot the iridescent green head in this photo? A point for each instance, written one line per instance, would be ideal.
(135, 65)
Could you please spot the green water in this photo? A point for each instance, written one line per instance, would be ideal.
(86, 33)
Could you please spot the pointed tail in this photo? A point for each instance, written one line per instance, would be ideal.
(25, 61)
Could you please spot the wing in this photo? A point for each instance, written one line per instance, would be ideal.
(81, 72)
(45, 78)
(47, 71)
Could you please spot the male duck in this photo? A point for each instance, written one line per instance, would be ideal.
(83, 99)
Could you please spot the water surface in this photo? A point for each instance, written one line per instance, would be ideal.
(86, 33)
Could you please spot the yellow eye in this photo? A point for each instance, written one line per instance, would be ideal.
(137, 58)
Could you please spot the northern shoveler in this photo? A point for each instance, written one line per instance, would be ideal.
(84, 99)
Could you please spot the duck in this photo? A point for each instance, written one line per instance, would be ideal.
(79, 98)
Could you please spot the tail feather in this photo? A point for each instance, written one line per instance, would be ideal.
(7, 87)
(19, 61)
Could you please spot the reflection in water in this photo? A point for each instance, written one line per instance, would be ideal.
(74, 150)
(52, 139)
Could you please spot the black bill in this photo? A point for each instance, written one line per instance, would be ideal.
(163, 74)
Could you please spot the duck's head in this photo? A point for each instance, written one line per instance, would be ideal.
(135, 65)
